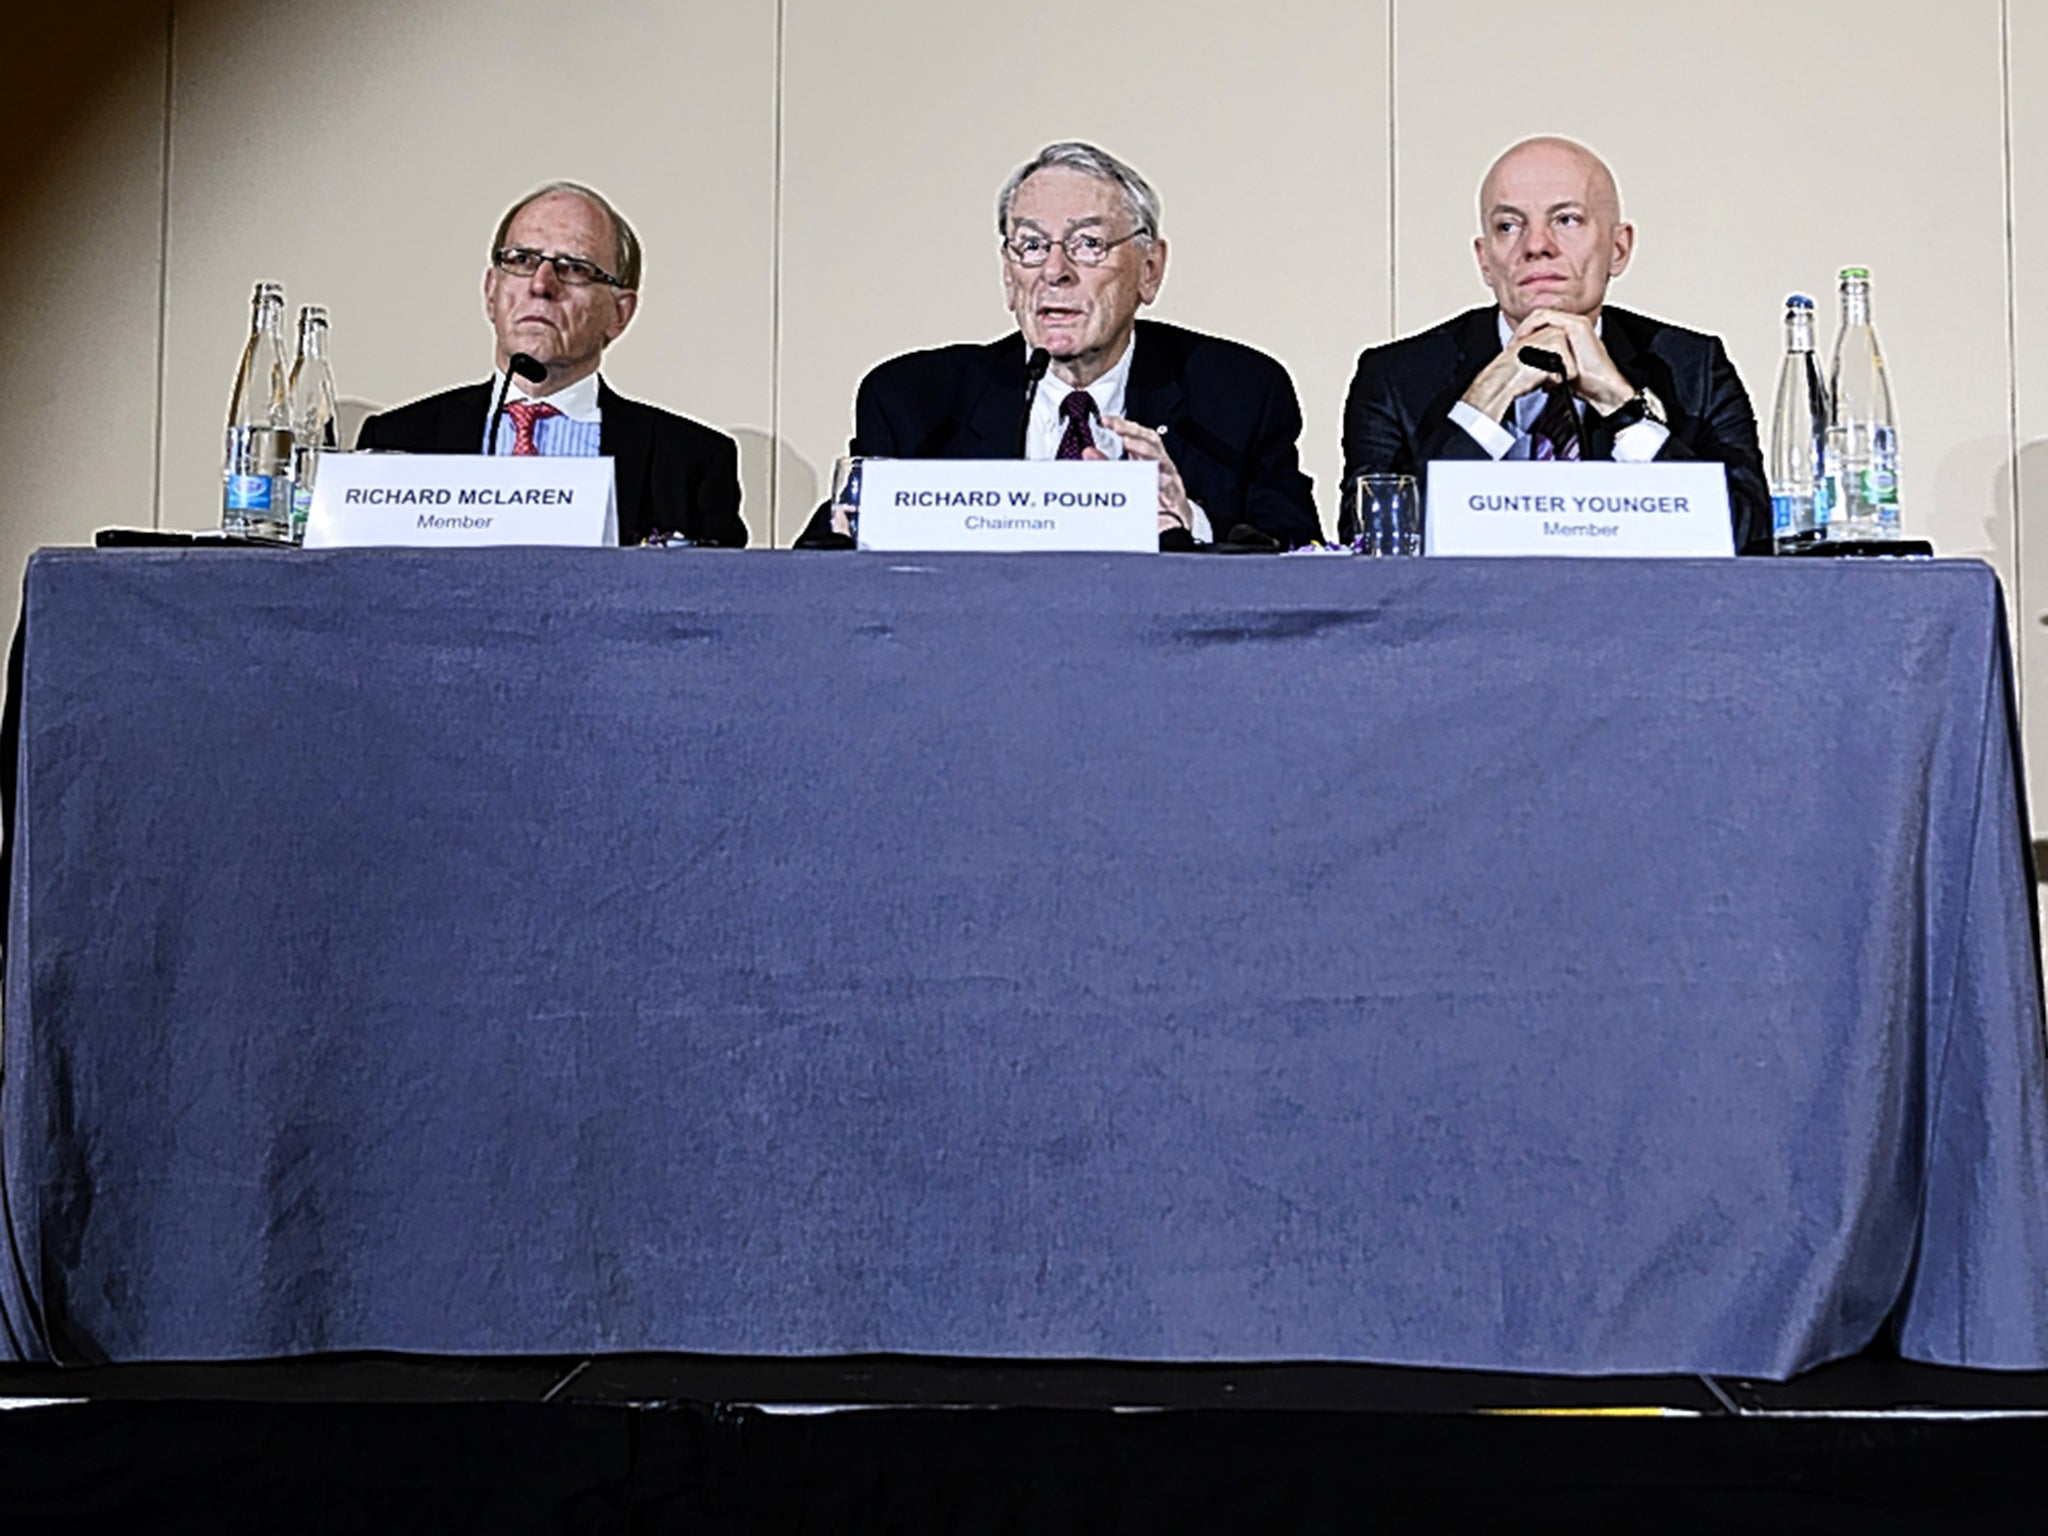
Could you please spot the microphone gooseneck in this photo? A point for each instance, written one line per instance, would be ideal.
(1034, 370)
(529, 368)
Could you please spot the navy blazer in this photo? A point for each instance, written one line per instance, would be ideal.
(673, 475)
(1229, 412)
(1397, 415)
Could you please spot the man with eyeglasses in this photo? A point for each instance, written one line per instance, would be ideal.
(1615, 385)
(562, 285)
(1081, 254)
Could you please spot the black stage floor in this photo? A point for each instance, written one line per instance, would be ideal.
(691, 1443)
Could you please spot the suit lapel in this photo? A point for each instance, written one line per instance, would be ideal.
(1616, 334)
(469, 412)
(1477, 338)
(629, 441)
(1622, 334)
(1152, 394)
(993, 403)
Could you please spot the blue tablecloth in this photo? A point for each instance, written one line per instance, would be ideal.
(1554, 966)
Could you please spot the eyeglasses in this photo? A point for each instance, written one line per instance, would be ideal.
(1083, 248)
(572, 271)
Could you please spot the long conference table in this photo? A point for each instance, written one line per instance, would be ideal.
(1554, 966)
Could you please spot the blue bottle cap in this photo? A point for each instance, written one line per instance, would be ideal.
(1798, 301)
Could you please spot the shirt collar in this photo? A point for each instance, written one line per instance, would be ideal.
(576, 401)
(1108, 390)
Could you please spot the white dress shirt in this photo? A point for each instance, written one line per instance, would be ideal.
(1048, 426)
(573, 434)
(1637, 444)
(576, 433)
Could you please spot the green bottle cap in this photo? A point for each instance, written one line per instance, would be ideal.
(1849, 272)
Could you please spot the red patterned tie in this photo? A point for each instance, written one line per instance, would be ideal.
(524, 414)
(1078, 407)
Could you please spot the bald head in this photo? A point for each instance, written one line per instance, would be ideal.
(1567, 159)
(1551, 234)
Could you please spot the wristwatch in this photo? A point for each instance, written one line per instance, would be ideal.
(1644, 407)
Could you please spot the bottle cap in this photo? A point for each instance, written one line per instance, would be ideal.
(1798, 301)
(1859, 273)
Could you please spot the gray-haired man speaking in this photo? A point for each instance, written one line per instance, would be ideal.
(1082, 253)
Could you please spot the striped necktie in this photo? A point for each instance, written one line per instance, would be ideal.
(524, 414)
(1556, 432)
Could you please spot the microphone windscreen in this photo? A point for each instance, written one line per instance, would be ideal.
(1040, 361)
(1539, 357)
(528, 368)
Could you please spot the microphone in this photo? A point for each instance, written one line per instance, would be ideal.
(1034, 370)
(528, 368)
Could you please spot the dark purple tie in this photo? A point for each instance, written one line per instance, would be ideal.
(1556, 433)
(1078, 407)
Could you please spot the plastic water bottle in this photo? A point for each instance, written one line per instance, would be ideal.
(257, 492)
(313, 413)
(1863, 439)
(1801, 492)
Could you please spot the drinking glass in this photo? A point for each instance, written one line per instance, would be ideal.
(846, 495)
(1381, 515)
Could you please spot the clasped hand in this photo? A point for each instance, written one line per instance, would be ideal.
(1589, 371)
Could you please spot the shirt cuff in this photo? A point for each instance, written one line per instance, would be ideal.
(1199, 527)
(1483, 429)
(1640, 443)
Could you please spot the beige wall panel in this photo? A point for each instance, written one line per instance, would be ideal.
(362, 152)
(1264, 131)
(2029, 105)
(1734, 130)
(81, 239)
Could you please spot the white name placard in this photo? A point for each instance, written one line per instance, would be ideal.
(1009, 504)
(460, 501)
(1520, 507)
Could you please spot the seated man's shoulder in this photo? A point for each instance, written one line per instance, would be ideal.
(1649, 331)
(422, 424)
(663, 422)
(1443, 341)
(1199, 354)
(929, 368)
(441, 400)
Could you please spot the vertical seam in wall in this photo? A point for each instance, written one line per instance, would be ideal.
(2021, 627)
(1393, 205)
(775, 296)
(163, 269)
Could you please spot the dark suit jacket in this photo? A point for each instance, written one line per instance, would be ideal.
(1397, 416)
(1230, 416)
(673, 475)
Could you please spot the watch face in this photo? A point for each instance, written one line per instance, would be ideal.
(1653, 408)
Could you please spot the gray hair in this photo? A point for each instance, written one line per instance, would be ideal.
(1139, 198)
(626, 261)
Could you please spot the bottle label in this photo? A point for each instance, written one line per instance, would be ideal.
(1781, 515)
(1881, 480)
(1826, 495)
(248, 493)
